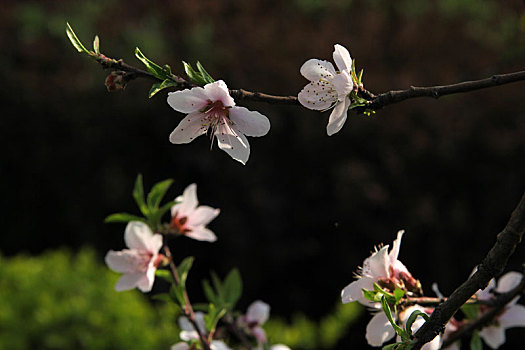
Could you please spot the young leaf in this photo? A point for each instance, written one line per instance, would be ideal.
(138, 194)
(213, 317)
(162, 297)
(177, 295)
(369, 295)
(208, 292)
(154, 68)
(232, 286)
(217, 284)
(400, 331)
(96, 45)
(194, 76)
(206, 77)
(165, 275)
(412, 318)
(471, 311)
(155, 88)
(123, 217)
(184, 268)
(157, 193)
(74, 39)
(398, 294)
(475, 342)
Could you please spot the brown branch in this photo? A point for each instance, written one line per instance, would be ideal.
(498, 304)
(491, 266)
(188, 309)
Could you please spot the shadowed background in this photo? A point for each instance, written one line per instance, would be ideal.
(307, 208)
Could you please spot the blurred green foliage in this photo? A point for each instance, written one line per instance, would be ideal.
(64, 301)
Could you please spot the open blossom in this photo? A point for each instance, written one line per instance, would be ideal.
(382, 268)
(257, 314)
(190, 219)
(329, 88)
(212, 108)
(188, 333)
(513, 315)
(138, 264)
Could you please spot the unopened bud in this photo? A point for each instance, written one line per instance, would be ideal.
(116, 81)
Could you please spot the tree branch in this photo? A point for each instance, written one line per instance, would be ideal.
(491, 266)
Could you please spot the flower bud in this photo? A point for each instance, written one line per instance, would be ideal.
(116, 81)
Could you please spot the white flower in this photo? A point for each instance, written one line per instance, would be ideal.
(257, 314)
(212, 108)
(329, 88)
(188, 333)
(435, 344)
(513, 315)
(190, 219)
(379, 330)
(383, 268)
(138, 264)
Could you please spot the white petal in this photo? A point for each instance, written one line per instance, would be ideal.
(219, 345)
(250, 123)
(218, 91)
(187, 202)
(514, 316)
(180, 346)
(379, 330)
(343, 84)
(318, 96)
(279, 347)
(146, 282)
(486, 293)
(233, 143)
(354, 291)
(188, 101)
(138, 235)
(123, 261)
(377, 265)
(315, 69)
(185, 324)
(258, 312)
(189, 128)
(493, 336)
(338, 117)
(201, 233)
(342, 58)
(394, 253)
(202, 216)
(508, 281)
(128, 281)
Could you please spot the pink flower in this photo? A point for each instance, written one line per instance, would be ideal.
(257, 314)
(212, 108)
(513, 315)
(382, 268)
(138, 264)
(189, 219)
(329, 88)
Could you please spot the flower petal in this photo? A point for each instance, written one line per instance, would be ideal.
(493, 336)
(259, 334)
(508, 281)
(338, 117)
(218, 91)
(146, 282)
(202, 216)
(318, 96)
(250, 123)
(201, 233)
(188, 101)
(343, 84)
(233, 143)
(394, 253)
(514, 316)
(354, 291)
(180, 346)
(342, 58)
(187, 202)
(189, 128)
(138, 235)
(123, 261)
(258, 312)
(219, 345)
(379, 330)
(129, 281)
(315, 69)
(377, 265)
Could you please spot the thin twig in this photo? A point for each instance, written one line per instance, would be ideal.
(491, 266)
(188, 309)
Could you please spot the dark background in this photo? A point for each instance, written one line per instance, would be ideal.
(307, 208)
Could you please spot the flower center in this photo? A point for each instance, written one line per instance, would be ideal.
(216, 114)
(178, 224)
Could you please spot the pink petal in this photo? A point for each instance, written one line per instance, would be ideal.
(146, 282)
(338, 117)
(218, 91)
(315, 69)
(138, 235)
(187, 202)
(188, 101)
(376, 266)
(394, 253)
(259, 334)
(250, 123)
(514, 316)
(508, 281)
(123, 261)
(129, 281)
(232, 142)
(493, 336)
(201, 233)
(354, 291)
(318, 96)
(342, 58)
(191, 127)
(203, 215)
(379, 330)
(258, 312)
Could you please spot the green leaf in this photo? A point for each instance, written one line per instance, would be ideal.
(160, 86)
(213, 317)
(183, 269)
(217, 284)
(177, 295)
(208, 292)
(194, 76)
(369, 295)
(232, 287)
(471, 311)
(123, 217)
(74, 39)
(206, 77)
(398, 294)
(96, 45)
(400, 331)
(475, 342)
(165, 275)
(154, 68)
(162, 297)
(157, 193)
(138, 194)
(412, 318)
